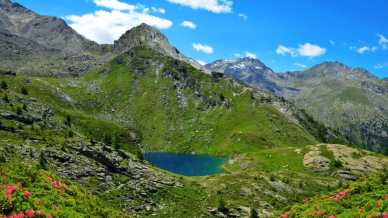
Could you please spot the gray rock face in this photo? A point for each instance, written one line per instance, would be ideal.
(35, 44)
(50, 32)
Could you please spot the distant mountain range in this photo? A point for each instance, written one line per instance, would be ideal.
(350, 100)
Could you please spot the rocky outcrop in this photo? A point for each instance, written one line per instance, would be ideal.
(343, 161)
(26, 119)
(119, 174)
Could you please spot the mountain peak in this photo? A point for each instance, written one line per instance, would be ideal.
(332, 65)
(141, 35)
(250, 60)
(336, 68)
(146, 35)
(249, 70)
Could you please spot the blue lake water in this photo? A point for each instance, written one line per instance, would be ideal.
(186, 164)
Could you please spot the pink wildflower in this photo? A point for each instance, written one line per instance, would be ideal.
(385, 215)
(332, 216)
(386, 196)
(49, 216)
(341, 195)
(19, 215)
(27, 195)
(57, 184)
(9, 192)
(284, 215)
(30, 213)
(40, 213)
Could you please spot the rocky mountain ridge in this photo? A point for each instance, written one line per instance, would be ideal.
(44, 45)
(50, 32)
(145, 35)
(349, 100)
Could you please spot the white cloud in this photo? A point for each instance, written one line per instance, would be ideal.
(114, 5)
(332, 42)
(381, 66)
(300, 65)
(283, 50)
(310, 50)
(203, 48)
(383, 41)
(250, 55)
(188, 24)
(243, 16)
(365, 49)
(304, 50)
(215, 6)
(158, 10)
(203, 63)
(105, 26)
(237, 55)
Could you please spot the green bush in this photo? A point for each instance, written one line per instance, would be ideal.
(335, 164)
(19, 110)
(24, 91)
(5, 98)
(222, 206)
(4, 85)
(254, 213)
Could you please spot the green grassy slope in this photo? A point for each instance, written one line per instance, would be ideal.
(178, 108)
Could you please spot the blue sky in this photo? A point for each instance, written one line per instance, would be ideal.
(285, 35)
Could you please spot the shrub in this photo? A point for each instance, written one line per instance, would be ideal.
(140, 155)
(336, 164)
(67, 121)
(107, 139)
(4, 85)
(254, 213)
(43, 163)
(24, 90)
(222, 206)
(71, 134)
(19, 110)
(5, 98)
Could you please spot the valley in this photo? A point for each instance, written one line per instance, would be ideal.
(139, 130)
